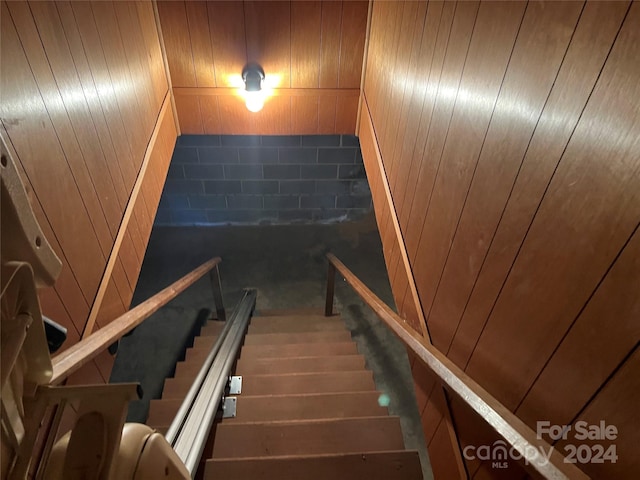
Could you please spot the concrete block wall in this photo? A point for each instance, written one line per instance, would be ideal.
(239, 179)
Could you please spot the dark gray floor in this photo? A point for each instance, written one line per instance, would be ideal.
(287, 265)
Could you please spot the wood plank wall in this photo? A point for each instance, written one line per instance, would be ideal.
(508, 137)
(313, 50)
(86, 117)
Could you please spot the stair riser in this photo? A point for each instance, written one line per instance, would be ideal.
(288, 338)
(304, 407)
(334, 382)
(281, 351)
(296, 327)
(307, 438)
(300, 365)
(400, 465)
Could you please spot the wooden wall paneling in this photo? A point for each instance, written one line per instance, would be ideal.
(74, 230)
(567, 251)
(353, 29)
(66, 78)
(386, 220)
(410, 85)
(581, 67)
(137, 56)
(91, 41)
(198, 22)
(373, 69)
(392, 35)
(118, 64)
(475, 177)
(111, 306)
(437, 58)
(593, 347)
(149, 31)
(88, 374)
(305, 113)
(306, 18)
(407, 162)
(115, 109)
(175, 30)
(127, 257)
(104, 363)
(330, 37)
(441, 115)
(327, 111)
(210, 111)
(444, 451)
(189, 114)
(424, 381)
(346, 114)
(123, 250)
(275, 117)
(124, 287)
(268, 34)
(228, 40)
(92, 97)
(473, 432)
(616, 405)
(52, 307)
(397, 87)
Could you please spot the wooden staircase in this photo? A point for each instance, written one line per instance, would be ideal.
(308, 409)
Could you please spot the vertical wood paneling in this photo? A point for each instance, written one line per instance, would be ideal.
(616, 405)
(594, 346)
(508, 136)
(581, 68)
(305, 49)
(300, 45)
(198, 21)
(73, 228)
(228, 41)
(211, 121)
(81, 97)
(469, 169)
(268, 32)
(566, 251)
(189, 114)
(354, 22)
(330, 44)
(304, 114)
(439, 47)
(175, 32)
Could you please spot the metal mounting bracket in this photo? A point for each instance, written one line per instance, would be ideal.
(235, 385)
(228, 407)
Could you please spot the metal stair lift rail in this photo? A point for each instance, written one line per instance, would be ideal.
(190, 429)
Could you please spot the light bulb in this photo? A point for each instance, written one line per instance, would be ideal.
(254, 101)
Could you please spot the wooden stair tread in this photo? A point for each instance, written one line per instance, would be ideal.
(281, 312)
(212, 328)
(348, 435)
(300, 364)
(269, 408)
(299, 350)
(284, 338)
(388, 465)
(282, 351)
(295, 327)
(291, 383)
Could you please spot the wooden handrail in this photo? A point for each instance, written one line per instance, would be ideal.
(82, 352)
(516, 433)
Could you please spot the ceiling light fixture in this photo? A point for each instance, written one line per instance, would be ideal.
(252, 76)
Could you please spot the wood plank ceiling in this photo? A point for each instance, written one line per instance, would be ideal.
(311, 53)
